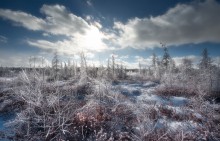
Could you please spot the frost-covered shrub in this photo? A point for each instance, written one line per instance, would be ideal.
(88, 108)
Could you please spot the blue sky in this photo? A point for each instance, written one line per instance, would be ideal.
(130, 29)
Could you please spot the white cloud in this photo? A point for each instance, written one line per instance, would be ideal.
(193, 58)
(89, 3)
(21, 18)
(46, 35)
(3, 39)
(90, 42)
(145, 62)
(113, 55)
(129, 65)
(196, 22)
(90, 55)
(124, 57)
(21, 60)
(58, 20)
(88, 18)
(81, 35)
(216, 61)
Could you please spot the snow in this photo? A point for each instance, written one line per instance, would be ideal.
(149, 84)
(145, 92)
(197, 115)
(175, 125)
(147, 98)
(178, 101)
(7, 79)
(4, 118)
(144, 97)
(184, 125)
(174, 101)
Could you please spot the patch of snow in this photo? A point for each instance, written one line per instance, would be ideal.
(174, 125)
(184, 125)
(178, 101)
(60, 83)
(4, 118)
(197, 115)
(145, 93)
(7, 79)
(149, 84)
(160, 124)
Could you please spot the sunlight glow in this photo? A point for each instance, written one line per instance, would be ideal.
(93, 40)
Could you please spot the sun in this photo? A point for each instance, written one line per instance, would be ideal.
(94, 39)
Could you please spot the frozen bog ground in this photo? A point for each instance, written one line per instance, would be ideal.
(169, 110)
(95, 109)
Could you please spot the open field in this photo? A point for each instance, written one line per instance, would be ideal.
(106, 107)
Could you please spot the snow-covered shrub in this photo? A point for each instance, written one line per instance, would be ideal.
(89, 106)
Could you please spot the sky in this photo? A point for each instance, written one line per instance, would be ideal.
(129, 30)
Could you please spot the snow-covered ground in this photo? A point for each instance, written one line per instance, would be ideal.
(7, 79)
(171, 113)
(144, 93)
(4, 118)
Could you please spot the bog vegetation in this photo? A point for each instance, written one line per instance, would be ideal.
(70, 101)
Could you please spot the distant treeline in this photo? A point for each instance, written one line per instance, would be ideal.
(13, 71)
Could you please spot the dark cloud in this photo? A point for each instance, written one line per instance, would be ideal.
(195, 23)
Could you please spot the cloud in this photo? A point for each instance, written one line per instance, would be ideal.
(193, 58)
(129, 65)
(196, 22)
(216, 61)
(3, 39)
(90, 42)
(22, 60)
(46, 35)
(89, 3)
(13, 61)
(81, 35)
(145, 62)
(58, 21)
(23, 19)
(124, 57)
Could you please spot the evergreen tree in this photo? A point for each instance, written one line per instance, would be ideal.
(69, 70)
(113, 65)
(108, 68)
(155, 65)
(55, 65)
(187, 63)
(166, 58)
(206, 71)
(205, 62)
(186, 66)
(154, 60)
(65, 71)
(139, 67)
(83, 64)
